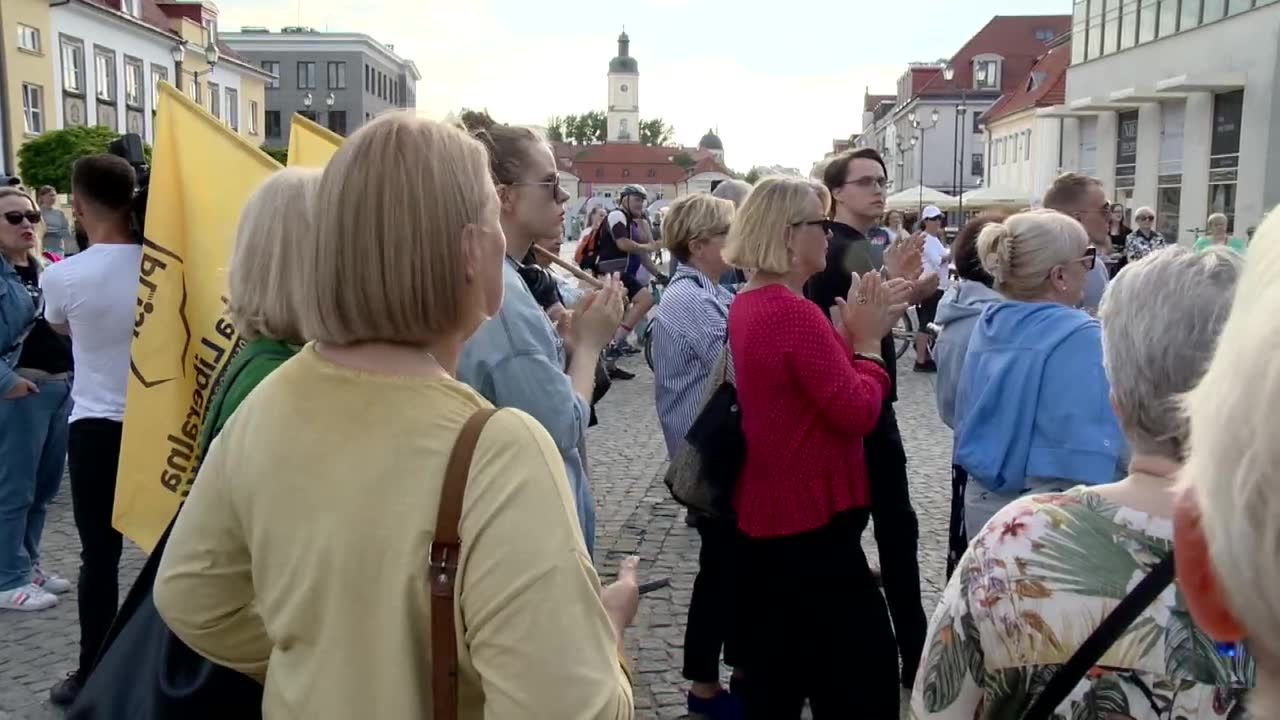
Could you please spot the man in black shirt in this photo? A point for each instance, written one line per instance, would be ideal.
(856, 179)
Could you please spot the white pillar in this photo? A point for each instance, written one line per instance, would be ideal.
(1047, 136)
(1197, 134)
(1108, 124)
(1070, 145)
(1148, 170)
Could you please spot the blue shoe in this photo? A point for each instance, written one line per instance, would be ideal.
(724, 706)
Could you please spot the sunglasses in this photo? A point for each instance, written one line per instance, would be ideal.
(1140, 218)
(1090, 258)
(824, 223)
(15, 217)
(552, 185)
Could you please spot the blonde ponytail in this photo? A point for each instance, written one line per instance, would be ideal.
(1020, 252)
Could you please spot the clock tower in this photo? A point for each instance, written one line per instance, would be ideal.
(624, 94)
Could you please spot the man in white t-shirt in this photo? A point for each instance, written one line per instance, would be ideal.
(91, 296)
(936, 258)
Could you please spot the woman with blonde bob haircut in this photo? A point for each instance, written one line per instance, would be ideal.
(303, 564)
(1227, 519)
(813, 623)
(1032, 408)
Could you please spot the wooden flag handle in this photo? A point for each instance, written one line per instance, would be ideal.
(574, 269)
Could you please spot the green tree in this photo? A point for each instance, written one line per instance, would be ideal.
(753, 176)
(280, 155)
(684, 160)
(555, 129)
(474, 120)
(656, 132)
(47, 160)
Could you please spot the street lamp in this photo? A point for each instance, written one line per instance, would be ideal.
(957, 146)
(306, 103)
(179, 51)
(920, 129)
(329, 101)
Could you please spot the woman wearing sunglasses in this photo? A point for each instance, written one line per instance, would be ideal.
(518, 359)
(35, 391)
(1146, 239)
(1033, 410)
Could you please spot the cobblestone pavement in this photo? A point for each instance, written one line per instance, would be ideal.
(635, 516)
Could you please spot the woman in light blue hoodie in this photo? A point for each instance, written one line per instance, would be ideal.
(1033, 410)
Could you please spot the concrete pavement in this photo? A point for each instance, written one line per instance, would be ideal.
(635, 516)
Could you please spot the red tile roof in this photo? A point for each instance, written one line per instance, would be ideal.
(1012, 37)
(1049, 73)
(616, 163)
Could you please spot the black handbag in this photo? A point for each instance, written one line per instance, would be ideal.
(145, 672)
(704, 473)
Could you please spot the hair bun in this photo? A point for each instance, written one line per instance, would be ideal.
(994, 250)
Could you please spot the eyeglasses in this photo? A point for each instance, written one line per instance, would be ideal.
(869, 182)
(15, 217)
(1090, 258)
(824, 223)
(553, 185)
(1140, 218)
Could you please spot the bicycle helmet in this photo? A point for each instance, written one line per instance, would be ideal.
(633, 190)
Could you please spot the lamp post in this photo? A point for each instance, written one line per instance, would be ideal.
(306, 103)
(920, 129)
(179, 51)
(957, 169)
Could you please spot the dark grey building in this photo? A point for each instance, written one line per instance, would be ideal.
(339, 80)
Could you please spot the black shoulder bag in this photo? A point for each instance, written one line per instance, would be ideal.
(1101, 640)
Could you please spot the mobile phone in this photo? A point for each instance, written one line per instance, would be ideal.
(648, 587)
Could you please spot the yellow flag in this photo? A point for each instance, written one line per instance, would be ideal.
(311, 145)
(202, 174)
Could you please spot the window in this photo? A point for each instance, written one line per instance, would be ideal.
(1126, 149)
(338, 121)
(104, 74)
(337, 76)
(310, 115)
(215, 101)
(1190, 15)
(1044, 34)
(368, 79)
(1111, 27)
(975, 165)
(306, 76)
(32, 108)
(211, 27)
(1129, 24)
(159, 74)
(233, 109)
(28, 38)
(1027, 142)
(1235, 7)
(1093, 48)
(253, 117)
(652, 173)
(1168, 25)
(133, 82)
(272, 67)
(1224, 153)
(72, 65)
(989, 81)
(626, 172)
(1079, 18)
(977, 121)
(1213, 10)
(133, 8)
(600, 172)
(193, 90)
(273, 123)
(1148, 17)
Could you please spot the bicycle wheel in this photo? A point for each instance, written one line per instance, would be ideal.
(904, 335)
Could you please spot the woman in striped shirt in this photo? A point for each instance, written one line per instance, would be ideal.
(688, 338)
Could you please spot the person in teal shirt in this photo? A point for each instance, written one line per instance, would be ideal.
(1218, 236)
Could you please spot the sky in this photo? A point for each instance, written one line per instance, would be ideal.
(777, 85)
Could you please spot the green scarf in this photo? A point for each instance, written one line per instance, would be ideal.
(250, 366)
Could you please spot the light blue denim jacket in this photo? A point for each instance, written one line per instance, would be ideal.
(16, 314)
(516, 359)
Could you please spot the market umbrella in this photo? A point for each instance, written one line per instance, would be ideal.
(996, 197)
(914, 197)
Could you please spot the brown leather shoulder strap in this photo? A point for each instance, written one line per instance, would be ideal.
(442, 568)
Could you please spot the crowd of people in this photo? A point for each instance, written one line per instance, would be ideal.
(442, 564)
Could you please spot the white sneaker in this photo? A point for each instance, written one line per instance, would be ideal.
(27, 598)
(51, 582)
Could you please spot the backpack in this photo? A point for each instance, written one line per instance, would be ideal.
(587, 254)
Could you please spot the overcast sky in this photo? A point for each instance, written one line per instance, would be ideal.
(778, 85)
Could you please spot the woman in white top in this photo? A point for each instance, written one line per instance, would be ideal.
(937, 260)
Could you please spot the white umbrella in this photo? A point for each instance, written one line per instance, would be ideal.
(989, 197)
(913, 197)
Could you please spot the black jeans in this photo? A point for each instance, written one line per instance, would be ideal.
(813, 625)
(93, 455)
(897, 537)
(711, 605)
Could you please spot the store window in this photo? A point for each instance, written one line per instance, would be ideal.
(975, 165)
(1126, 151)
(1169, 181)
(1224, 154)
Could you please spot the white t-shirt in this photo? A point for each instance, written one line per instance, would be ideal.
(95, 292)
(934, 252)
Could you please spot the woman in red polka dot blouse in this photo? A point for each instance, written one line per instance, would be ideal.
(813, 624)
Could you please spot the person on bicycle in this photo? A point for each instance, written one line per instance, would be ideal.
(626, 246)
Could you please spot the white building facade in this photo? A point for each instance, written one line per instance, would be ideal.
(624, 94)
(1175, 106)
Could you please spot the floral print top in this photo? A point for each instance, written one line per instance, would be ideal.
(1034, 583)
(1138, 246)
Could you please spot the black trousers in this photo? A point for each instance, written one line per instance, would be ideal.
(813, 625)
(897, 538)
(711, 605)
(93, 455)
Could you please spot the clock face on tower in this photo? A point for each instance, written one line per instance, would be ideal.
(624, 87)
